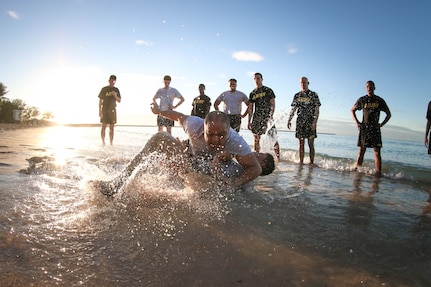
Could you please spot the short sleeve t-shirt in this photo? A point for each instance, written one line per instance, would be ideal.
(232, 101)
(106, 94)
(306, 103)
(201, 104)
(371, 107)
(167, 97)
(261, 98)
(194, 127)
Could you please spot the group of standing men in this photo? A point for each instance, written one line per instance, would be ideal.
(260, 107)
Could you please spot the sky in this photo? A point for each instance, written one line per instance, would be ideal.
(57, 54)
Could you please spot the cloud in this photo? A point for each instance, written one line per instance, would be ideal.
(144, 43)
(247, 56)
(291, 49)
(13, 15)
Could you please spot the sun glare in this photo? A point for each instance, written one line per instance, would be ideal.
(61, 141)
(69, 93)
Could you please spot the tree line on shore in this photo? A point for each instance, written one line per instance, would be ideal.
(26, 113)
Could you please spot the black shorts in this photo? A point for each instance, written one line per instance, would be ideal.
(235, 122)
(109, 117)
(429, 143)
(369, 136)
(164, 122)
(304, 129)
(259, 125)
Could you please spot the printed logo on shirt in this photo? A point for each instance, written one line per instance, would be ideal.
(258, 96)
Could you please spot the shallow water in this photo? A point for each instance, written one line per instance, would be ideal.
(300, 226)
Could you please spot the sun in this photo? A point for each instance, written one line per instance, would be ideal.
(69, 93)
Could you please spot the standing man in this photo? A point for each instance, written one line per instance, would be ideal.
(108, 98)
(166, 96)
(261, 111)
(427, 129)
(201, 104)
(369, 129)
(232, 100)
(306, 103)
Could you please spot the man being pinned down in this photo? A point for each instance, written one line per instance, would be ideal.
(213, 145)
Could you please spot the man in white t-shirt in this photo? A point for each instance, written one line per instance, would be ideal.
(232, 100)
(213, 143)
(166, 97)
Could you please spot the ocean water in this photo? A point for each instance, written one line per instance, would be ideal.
(300, 226)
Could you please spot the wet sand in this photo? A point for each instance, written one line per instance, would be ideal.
(300, 227)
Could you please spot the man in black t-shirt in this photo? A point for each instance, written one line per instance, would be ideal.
(109, 96)
(369, 129)
(201, 104)
(306, 104)
(260, 114)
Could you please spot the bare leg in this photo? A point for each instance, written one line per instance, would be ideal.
(169, 130)
(301, 151)
(160, 128)
(378, 161)
(162, 143)
(257, 143)
(111, 133)
(277, 150)
(361, 154)
(311, 147)
(102, 133)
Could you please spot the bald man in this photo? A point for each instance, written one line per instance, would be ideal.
(212, 143)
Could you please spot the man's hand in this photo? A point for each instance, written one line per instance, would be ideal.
(155, 108)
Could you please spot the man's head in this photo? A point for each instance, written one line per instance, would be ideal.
(266, 161)
(112, 80)
(167, 80)
(258, 78)
(370, 87)
(303, 81)
(216, 129)
(201, 89)
(232, 85)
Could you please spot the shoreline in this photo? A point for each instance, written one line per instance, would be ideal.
(12, 126)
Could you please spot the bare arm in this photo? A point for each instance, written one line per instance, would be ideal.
(216, 104)
(353, 111)
(250, 114)
(116, 96)
(100, 108)
(179, 103)
(246, 110)
(316, 117)
(388, 116)
(207, 108)
(427, 131)
(291, 115)
(172, 115)
(271, 113)
(252, 169)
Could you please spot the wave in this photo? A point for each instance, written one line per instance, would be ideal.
(405, 172)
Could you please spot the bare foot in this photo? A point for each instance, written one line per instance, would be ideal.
(108, 188)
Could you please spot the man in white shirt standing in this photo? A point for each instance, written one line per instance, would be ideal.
(166, 97)
(233, 100)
